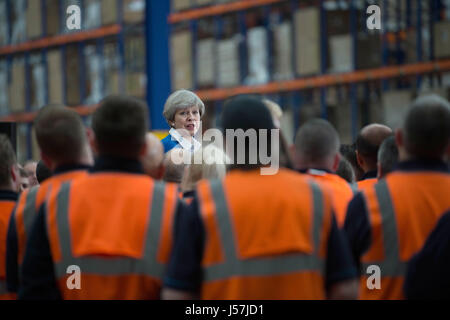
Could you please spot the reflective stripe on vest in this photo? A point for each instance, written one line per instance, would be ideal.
(288, 263)
(391, 266)
(29, 212)
(147, 265)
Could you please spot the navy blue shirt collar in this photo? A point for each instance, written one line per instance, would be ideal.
(6, 195)
(370, 175)
(117, 164)
(70, 167)
(423, 165)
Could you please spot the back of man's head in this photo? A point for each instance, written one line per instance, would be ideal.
(60, 134)
(174, 164)
(367, 143)
(7, 164)
(426, 130)
(387, 156)
(243, 118)
(152, 160)
(349, 153)
(120, 124)
(316, 145)
(345, 171)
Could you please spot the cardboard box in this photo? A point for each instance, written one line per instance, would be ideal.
(93, 75)
(109, 12)
(73, 94)
(258, 59)
(4, 27)
(18, 21)
(92, 14)
(136, 84)
(111, 65)
(368, 51)
(340, 53)
(178, 5)
(395, 104)
(442, 39)
(133, 11)
(34, 19)
(55, 78)
(52, 17)
(205, 54)
(16, 86)
(135, 53)
(181, 60)
(283, 69)
(228, 63)
(307, 42)
(37, 84)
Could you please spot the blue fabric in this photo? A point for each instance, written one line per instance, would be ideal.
(184, 271)
(169, 143)
(428, 271)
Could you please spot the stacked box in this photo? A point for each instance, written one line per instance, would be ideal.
(37, 82)
(442, 39)
(135, 77)
(93, 73)
(341, 53)
(368, 48)
(395, 104)
(34, 19)
(55, 78)
(307, 42)
(283, 69)
(133, 11)
(205, 62)
(228, 63)
(4, 27)
(72, 68)
(4, 88)
(178, 5)
(18, 21)
(109, 12)
(52, 17)
(16, 86)
(92, 17)
(258, 60)
(111, 64)
(181, 60)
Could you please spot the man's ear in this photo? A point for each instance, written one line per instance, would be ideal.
(92, 141)
(15, 177)
(359, 159)
(336, 161)
(47, 161)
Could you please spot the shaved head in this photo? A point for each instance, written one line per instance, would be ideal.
(368, 142)
(152, 160)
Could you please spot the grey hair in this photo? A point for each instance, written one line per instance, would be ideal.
(182, 99)
(388, 155)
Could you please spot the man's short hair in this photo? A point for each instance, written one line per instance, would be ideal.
(60, 133)
(345, 171)
(317, 140)
(120, 124)
(7, 160)
(427, 127)
(388, 155)
(42, 172)
(366, 148)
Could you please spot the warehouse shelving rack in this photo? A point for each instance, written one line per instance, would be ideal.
(300, 87)
(96, 36)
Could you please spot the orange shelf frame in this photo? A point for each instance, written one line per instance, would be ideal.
(218, 10)
(62, 39)
(328, 80)
(29, 116)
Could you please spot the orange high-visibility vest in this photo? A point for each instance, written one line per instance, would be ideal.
(403, 209)
(341, 191)
(266, 236)
(6, 209)
(367, 183)
(29, 203)
(117, 228)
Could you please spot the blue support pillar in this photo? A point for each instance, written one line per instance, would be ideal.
(158, 68)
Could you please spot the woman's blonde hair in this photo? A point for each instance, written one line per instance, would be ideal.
(212, 166)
